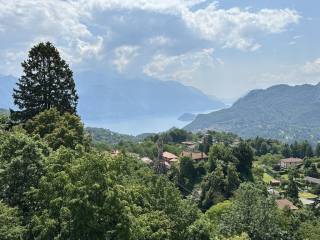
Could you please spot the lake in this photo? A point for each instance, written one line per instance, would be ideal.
(142, 125)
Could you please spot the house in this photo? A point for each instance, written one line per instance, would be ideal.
(275, 182)
(290, 162)
(115, 153)
(273, 192)
(312, 180)
(169, 157)
(307, 202)
(190, 145)
(196, 156)
(146, 160)
(285, 203)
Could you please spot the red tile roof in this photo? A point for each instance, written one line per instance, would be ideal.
(169, 156)
(194, 155)
(283, 203)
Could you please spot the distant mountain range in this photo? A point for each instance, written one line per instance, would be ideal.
(111, 97)
(282, 112)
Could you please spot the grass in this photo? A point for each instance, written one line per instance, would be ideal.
(307, 195)
(267, 178)
(285, 177)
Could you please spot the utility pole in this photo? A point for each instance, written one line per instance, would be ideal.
(159, 165)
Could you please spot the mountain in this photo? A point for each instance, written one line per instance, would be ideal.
(187, 117)
(114, 98)
(283, 112)
(103, 135)
(7, 84)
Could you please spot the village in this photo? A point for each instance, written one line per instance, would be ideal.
(276, 174)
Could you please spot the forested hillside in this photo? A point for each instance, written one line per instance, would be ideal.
(283, 112)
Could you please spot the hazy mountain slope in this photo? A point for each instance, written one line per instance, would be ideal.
(112, 97)
(282, 112)
(115, 98)
(7, 84)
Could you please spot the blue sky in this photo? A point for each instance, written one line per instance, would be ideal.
(224, 48)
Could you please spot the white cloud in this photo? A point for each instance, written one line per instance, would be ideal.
(308, 72)
(162, 6)
(180, 67)
(312, 67)
(233, 28)
(160, 41)
(236, 28)
(124, 55)
(26, 22)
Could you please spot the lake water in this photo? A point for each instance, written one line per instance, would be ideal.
(142, 125)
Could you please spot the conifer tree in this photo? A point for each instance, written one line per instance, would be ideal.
(47, 82)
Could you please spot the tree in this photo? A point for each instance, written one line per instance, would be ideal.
(206, 143)
(220, 153)
(91, 195)
(57, 129)
(286, 151)
(292, 190)
(313, 171)
(188, 172)
(317, 151)
(310, 230)
(21, 167)
(244, 154)
(213, 188)
(232, 180)
(47, 82)
(10, 224)
(263, 148)
(254, 212)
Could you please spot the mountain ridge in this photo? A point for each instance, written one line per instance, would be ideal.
(113, 97)
(283, 112)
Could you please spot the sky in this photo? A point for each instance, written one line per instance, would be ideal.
(224, 48)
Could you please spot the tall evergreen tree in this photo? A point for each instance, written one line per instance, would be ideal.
(47, 82)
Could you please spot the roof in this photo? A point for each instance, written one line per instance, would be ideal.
(291, 160)
(283, 203)
(194, 155)
(306, 201)
(275, 181)
(169, 155)
(146, 160)
(312, 180)
(189, 143)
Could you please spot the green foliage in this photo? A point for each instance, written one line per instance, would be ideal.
(101, 135)
(269, 159)
(212, 188)
(4, 121)
(301, 149)
(206, 143)
(21, 166)
(95, 196)
(188, 173)
(255, 213)
(292, 189)
(10, 224)
(47, 82)
(312, 171)
(57, 129)
(310, 230)
(220, 153)
(244, 154)
(146, 148)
